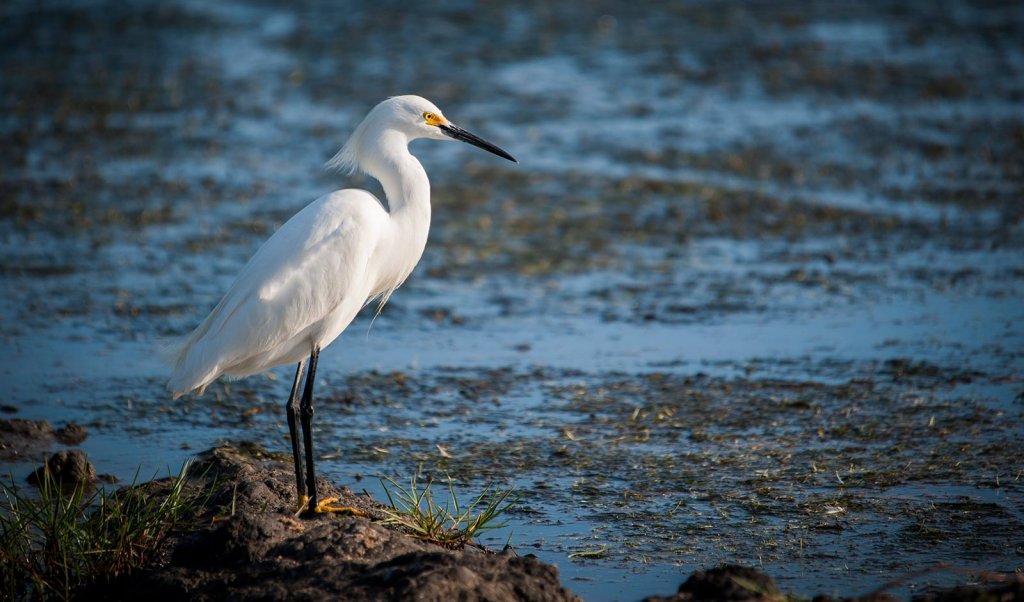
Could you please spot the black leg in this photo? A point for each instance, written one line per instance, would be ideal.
(292, 410)
(307, 428)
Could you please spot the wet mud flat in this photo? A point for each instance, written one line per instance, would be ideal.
(241, 538)
(869, 477)
(752, 297)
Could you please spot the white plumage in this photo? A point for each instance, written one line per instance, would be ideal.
(305, 285)
(301, 288)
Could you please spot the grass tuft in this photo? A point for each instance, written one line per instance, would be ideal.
(59, 539)
(449, 525)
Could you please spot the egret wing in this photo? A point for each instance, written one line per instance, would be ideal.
(314, 263)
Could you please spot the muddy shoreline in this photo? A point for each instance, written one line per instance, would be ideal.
(246, 542)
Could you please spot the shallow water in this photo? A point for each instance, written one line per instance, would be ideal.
(752, 294)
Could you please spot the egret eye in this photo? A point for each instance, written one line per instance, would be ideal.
(430, 118)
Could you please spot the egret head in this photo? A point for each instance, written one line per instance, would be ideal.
(415, 117)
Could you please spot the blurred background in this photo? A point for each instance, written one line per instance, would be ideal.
(753, 293)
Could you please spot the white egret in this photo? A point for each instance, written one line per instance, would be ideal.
(307, 282)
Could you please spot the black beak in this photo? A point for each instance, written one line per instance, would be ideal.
(458, 133)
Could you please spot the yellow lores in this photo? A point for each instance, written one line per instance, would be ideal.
(434, 119)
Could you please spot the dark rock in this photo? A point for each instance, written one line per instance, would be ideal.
(254, 547)
(20, 438)
(875, 597)
(1012, 591)
(71, 434)
(734, 583)
(724, 584)
(67, 468)
(437, 575)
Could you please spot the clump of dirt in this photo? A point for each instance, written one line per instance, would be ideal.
(67, 468)
(733, 583)
(725, 583)
(71, 434)
(254, 547)
(20, 438)
(1012, 589)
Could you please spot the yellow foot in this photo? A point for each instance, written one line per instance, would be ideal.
(325, 506)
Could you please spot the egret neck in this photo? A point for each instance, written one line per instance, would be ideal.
(407, 189)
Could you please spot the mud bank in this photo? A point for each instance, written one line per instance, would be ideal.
(253, 547)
